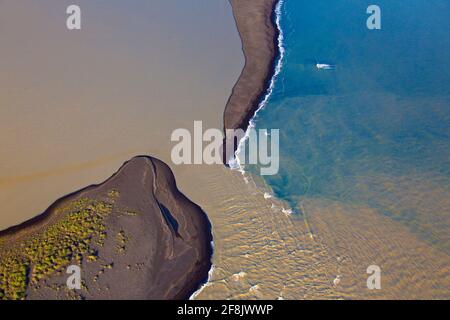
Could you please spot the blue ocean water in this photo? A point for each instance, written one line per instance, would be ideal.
(374, 129)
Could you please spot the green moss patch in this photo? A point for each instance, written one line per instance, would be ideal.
(37, 257)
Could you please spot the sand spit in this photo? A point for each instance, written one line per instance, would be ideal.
(256, 26)
(259, 252)
(137, 72)
(263, 253)
(148, 241)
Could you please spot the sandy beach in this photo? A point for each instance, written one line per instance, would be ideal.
(136, 73)
(128, 86)
(256, 25)
(148, 241)
(252, 252)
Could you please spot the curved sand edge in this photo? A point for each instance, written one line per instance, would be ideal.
(255, 21)
(169, 247)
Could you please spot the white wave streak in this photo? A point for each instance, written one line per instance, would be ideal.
(324, 66)
(208, 282)
(238, 164)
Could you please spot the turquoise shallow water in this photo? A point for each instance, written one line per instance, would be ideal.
(374, 130)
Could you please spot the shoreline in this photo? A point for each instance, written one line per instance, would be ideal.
(151, 118)
(189, 225)
(272, 66)
(261, 62)
(261, 94)
(128, 106)
(239, 213)
(342, 239)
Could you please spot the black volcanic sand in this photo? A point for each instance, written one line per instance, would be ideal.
(255, 20)
(157, 243)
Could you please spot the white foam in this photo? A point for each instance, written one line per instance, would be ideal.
(261, 106)
(254, 289)
(238, 276)
(337, 280)
(207, 283)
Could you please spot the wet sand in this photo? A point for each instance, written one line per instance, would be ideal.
(155, 243)
(258, 32)
(85, 102)
(258, 251)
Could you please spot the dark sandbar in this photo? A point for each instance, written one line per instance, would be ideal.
(157, 243)
(255, 20)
